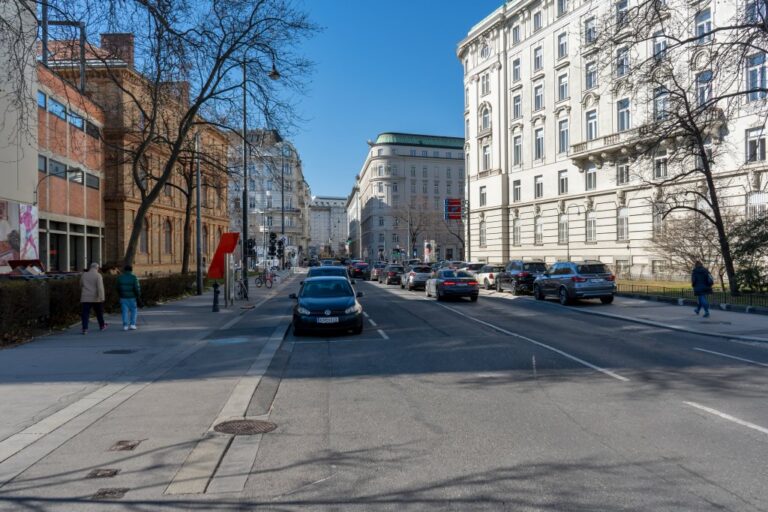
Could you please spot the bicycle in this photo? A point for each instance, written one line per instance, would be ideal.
(264, 279)
(241, 292)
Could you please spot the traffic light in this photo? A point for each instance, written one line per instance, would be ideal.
(251, 245)
(280, 248)
(272, 240)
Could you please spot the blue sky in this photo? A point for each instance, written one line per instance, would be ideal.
(388, 65)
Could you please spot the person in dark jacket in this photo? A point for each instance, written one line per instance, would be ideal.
(701, 281)
(129, 291)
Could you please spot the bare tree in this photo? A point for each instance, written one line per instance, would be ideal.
(688, 73)
(186, 74)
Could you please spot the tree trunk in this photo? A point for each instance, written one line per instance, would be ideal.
(725, 246)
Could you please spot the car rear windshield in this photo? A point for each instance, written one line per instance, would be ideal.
(326, 288)
(396, 269)
(475, 266)
(535, 267)
(380, 265)
(455, 273)
(327, 271)
(496, 269)
(361, 265)
(422, 270)
(593, 268)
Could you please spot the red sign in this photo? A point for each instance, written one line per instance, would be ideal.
(453, 209)
(227, 245)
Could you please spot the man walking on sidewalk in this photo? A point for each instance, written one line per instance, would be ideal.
(92, 296)
(129, 292)
(701, 281)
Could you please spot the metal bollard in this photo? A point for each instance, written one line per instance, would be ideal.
(216, 297)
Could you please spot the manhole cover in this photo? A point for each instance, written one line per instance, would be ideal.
(125, 446)
(110, 493)
(245, 427)
(120, 352)
(102, 473)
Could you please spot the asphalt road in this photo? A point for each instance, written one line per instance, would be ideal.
(510, 404)
(502, 404)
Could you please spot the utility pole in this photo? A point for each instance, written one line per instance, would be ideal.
(246, 205)
(282, 203)
(199, 227)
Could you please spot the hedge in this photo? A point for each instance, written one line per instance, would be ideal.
(29, 307)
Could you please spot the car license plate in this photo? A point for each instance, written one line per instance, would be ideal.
(328, 320)
(462, 284)
(597, 280)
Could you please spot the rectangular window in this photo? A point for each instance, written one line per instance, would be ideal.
(516, 70)
(622, 115)
(562, 136)
(516, 34)
(622, 61)
(448, 173)
(485, 84)
(658, 267)
(413, 186)
(590, 75)
(57, 109)
(436, 189)
(703, 26)
(483, 196)
(413, 152)
(659, 46)
(380, 188)
(41, 100)
(562, 7)
(381, 221)
(562, 182)
(591, 227)
(562, 87)
(660, 164)
(516, 191)
(621, 13)
(394, 187)
(704, 87)
(92, 181)
(756, 145)
(92, 130)
(590, 30)
(622, 224)
(562, 45)
(537, 21)
(42, 164)
(516, 233)
(756, 77)
(590, 177)
(757, 204)
(657, 219)
(538, 186)
(449, 188)
(538, 231)
(517, 107)
(486, 157)
(622, 171)
(425, 153)
(538, 58)
(538, 144)
(413, 171)
(76, 121)
(538, 97)
(424, 172)
(591, 124)
(517, 150)
(56, 168)
(562, 229)
(660, 103)
(424, 187)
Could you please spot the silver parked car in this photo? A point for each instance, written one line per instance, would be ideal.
(568, 281)
(416, 277)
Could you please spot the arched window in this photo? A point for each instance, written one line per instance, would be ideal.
(483, 241)
(205, 240)
(485, 118)
(168, 237)
(144, 238)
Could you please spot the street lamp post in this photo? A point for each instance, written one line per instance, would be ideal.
(198, 226)
(246, 205)
(282, 204)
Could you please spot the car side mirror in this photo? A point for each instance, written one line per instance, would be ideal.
(352, 281)
(293, 296)
(359, 294)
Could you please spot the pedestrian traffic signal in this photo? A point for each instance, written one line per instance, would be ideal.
(251, 245)
(280, 248)
(272, 248)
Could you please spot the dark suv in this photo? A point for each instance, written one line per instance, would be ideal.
(518, 276)
(568, 281)
(391, 274)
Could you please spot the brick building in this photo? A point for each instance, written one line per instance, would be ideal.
(160, 248)
(70, 166)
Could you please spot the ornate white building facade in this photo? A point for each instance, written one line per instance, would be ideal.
(403, 183)
(549, 136)
(328, 225)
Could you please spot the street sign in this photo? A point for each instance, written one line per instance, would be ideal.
(453, 209)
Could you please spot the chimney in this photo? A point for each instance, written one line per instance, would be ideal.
(119, 46)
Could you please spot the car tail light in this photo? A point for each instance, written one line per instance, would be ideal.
(391, 273)
(611, 278)
(524, 274)
(449, 283)
(472, 283)
(490, 276)
(412, 274)
(577, 279)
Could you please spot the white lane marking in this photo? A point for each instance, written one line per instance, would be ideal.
(366, 315)
(728, 417)
(372, 322)
(540, 344)
(730, 356)
(383, 334)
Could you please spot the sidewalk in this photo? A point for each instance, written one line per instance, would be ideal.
(722, 324)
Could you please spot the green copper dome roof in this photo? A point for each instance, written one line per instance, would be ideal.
(411, 139)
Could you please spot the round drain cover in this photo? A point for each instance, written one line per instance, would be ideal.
(245, 427)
